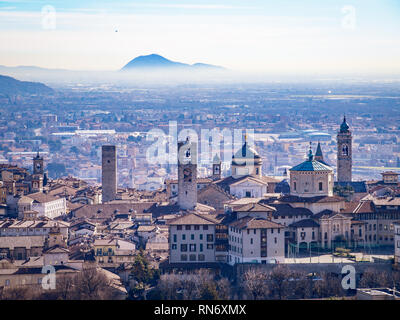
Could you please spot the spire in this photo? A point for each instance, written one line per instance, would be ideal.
(344, 127)
(310, 154)
(318, 153)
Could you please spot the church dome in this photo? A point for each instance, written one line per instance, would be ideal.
(344, 127)
(245, 155)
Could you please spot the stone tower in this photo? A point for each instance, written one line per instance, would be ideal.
(216, 168)
(38, 165)
(344, 153)
(38, 174)
(187, 175)
(109, 172)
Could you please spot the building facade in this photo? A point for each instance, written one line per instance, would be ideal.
(109, 173)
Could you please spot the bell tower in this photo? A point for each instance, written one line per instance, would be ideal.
(38, 167)
(187, 175)
(216, 168)
(344, 153)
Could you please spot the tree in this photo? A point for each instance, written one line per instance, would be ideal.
(255, 284)
(278, 281)
(375, 279)
(143, 276)
(328, 286)
(92, 284)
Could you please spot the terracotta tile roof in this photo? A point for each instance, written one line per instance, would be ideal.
(254, 207)
(254, 223)
(193, 218)
(42, 197)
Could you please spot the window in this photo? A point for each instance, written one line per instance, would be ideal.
(192, 257)
(201, 236)
(7, 283)
(248, 194)
(187, 227)
(174, 237)
(201, 257)
(192, 248)
(275, 240)
(192, 237)
(210, 238)
(201, 247)
(196, 227)
(210, 246)
(173, 247)
(183, 247)
(184, 237)
(178, 227)
(320, 186)
(205, 227)
(251, 240)
(294, 186)
(183, 257)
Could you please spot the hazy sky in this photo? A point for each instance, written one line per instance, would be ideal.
(307, 36)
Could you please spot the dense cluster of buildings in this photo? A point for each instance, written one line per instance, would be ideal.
(243, 217)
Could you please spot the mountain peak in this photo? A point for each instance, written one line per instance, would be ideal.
(155, 61)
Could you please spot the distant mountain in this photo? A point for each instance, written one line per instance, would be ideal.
(11, 86)
(155, 62)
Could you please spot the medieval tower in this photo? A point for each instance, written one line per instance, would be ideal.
(344, 153)
(38, 166)
(187, 175)
(38, 174)
(216, 168)
(109, 172)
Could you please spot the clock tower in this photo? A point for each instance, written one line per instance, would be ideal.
(38, 167)
(38, 174)
(187, 175)
(344, 153)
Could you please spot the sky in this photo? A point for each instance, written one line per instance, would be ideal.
(272, 37)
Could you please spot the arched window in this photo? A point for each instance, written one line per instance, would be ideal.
(345, 150)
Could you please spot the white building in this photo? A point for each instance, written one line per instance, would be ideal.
(192, 239)
(44, 204)
(255, 240)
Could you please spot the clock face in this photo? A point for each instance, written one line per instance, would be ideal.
(187, 174)
(38, 166)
